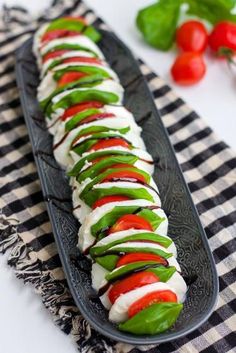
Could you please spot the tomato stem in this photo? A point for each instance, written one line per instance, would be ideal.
(228, 54)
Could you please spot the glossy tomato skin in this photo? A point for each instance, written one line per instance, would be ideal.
(188, 68)
(223, 36)
(107, 199)
(69, 77)
(139, 256)
(103, 143)
(192, 36)
(130, 221)
(133, 281)
(151, 298)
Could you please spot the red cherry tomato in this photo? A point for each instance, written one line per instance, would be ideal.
(54, 54)
(223, 36)
(125, 174)
(71, 76)
(107, 199)
(192, 36)
(137, 257)
(188, 68)
(77, 108)
(103, 143)
(58, 33)
(81, 59)
(130, 221)
(134, 281)
(151, 298)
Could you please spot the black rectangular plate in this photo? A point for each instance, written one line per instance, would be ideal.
(185, 229)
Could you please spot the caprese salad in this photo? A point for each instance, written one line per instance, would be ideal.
(97, 141)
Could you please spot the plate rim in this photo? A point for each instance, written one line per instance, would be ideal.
(130, 339)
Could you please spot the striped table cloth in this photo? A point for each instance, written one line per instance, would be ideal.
(209, 167)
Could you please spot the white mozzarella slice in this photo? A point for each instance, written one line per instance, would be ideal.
(98, 276)
(86, 239)
(46, 87)
(125, 233)
(139, 245)
(37, 39)
(113, 123)
(119, 310)
(70, 54)
(80, 40)
(61, 151)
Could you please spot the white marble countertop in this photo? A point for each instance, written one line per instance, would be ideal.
(25, 325)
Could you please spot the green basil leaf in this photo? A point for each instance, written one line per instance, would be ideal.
(90, 70)
(99, 250)
(95, 194)
(65, 23)
(152, 217)
(108, 262)
(158, 23)
(83, 146)
(89, 158)
(143, 249)
(88, 81)
(111, 217)
(75, 25)
(96, 168)
(155, 319)
(94, 128)
(212, 11)
(73, 122)
(79, 96)
(68, 46)
(164, 273)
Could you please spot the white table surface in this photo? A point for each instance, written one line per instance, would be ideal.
(25, 325)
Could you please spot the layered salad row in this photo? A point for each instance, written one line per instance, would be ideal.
(97, 141)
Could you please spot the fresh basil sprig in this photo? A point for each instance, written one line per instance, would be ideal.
(158, 22)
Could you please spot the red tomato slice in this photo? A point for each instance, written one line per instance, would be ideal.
(107, 199)
(125, 174)
(136, 280)
(130, 221)
(58, 33)
(54, 54)
(151, 298)
(70, 77)
(82, 60)
(139, 256)
(97, 117)
(77, 108)
(105, 143)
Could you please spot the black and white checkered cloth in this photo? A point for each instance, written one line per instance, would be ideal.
(209, 167)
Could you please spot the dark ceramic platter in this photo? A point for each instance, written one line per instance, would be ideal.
(194, 254)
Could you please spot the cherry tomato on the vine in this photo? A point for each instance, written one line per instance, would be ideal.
(188, 68)
(223, 36)
(192, 36)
